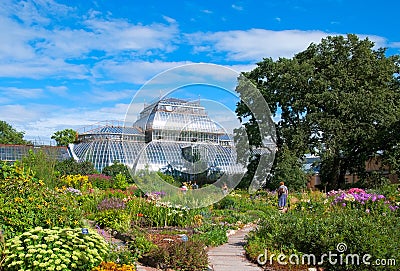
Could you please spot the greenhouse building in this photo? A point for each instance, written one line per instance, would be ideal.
(170, 135)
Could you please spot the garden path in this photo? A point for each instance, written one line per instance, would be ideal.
(231, 256)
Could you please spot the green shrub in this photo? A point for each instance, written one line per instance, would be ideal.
(141, 245)
(184, 256)
(55, 249)
(119, 182)
(25, 202)
(318, 233)
(213, 237)
(114, 219)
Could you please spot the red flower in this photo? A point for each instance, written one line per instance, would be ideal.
(140, 214)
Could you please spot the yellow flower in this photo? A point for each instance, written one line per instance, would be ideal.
(41, 182)
(63, 208)
(75, 222)
(64, 187)
(39, 206)
(48, 222)
(18, 199)
(31, 198)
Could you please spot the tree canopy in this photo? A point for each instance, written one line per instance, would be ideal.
(338, 99)
(65, 137)
(9, 135)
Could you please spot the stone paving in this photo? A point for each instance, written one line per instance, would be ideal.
(230, 256)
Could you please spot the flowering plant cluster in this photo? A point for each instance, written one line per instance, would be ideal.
(111, 203)
(357, 197)
(74, 191)
(76, 181)
(154, 196)
(55, 249)
(111, 266)
(26, 203)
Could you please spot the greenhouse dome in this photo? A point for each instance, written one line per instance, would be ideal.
(171, 135)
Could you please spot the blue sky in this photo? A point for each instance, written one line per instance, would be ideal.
(67, 64)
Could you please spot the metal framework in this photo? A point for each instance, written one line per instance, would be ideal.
(170, 135)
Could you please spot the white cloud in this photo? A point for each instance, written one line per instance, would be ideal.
(21, 93)
(136, 72)
(31, 48)
(41, 121)
(42, 67)
(100, 95)
(395, 44)
(237, 7)
(255, 44)
(59, 90)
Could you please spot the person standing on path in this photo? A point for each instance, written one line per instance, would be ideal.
(282, 195)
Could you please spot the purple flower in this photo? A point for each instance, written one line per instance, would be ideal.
(111, 203)
(367, 211)
(393, 208)
(344, 204)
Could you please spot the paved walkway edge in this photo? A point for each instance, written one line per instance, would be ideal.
(231, 256)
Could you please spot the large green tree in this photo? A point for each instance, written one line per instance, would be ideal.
(65, 137)
(8, 135)
(339, 99)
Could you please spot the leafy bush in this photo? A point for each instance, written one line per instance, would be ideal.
(318, 233)
(119, 181)
(72, 167)
(184, 256)
(118, 168)
(55, 249)
(114, 219)
(213, 237)
(26, 203)
(100, 181)
(141, 245)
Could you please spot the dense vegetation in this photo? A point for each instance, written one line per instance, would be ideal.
(338, 99)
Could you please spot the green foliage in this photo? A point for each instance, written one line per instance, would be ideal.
(8, 135)
(213, 237)
(338, 99)
(55, 249)
(184, 256)
(65, 137)
(43, 165)
(158, 214)
(25, 202)
(169, 179)
(320, 232)
(119, 182)
(288, 169)
(141, 245)
(72, 167)
(113, 219)
(118, 168)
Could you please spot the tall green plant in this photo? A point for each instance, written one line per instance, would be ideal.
(43, 165)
